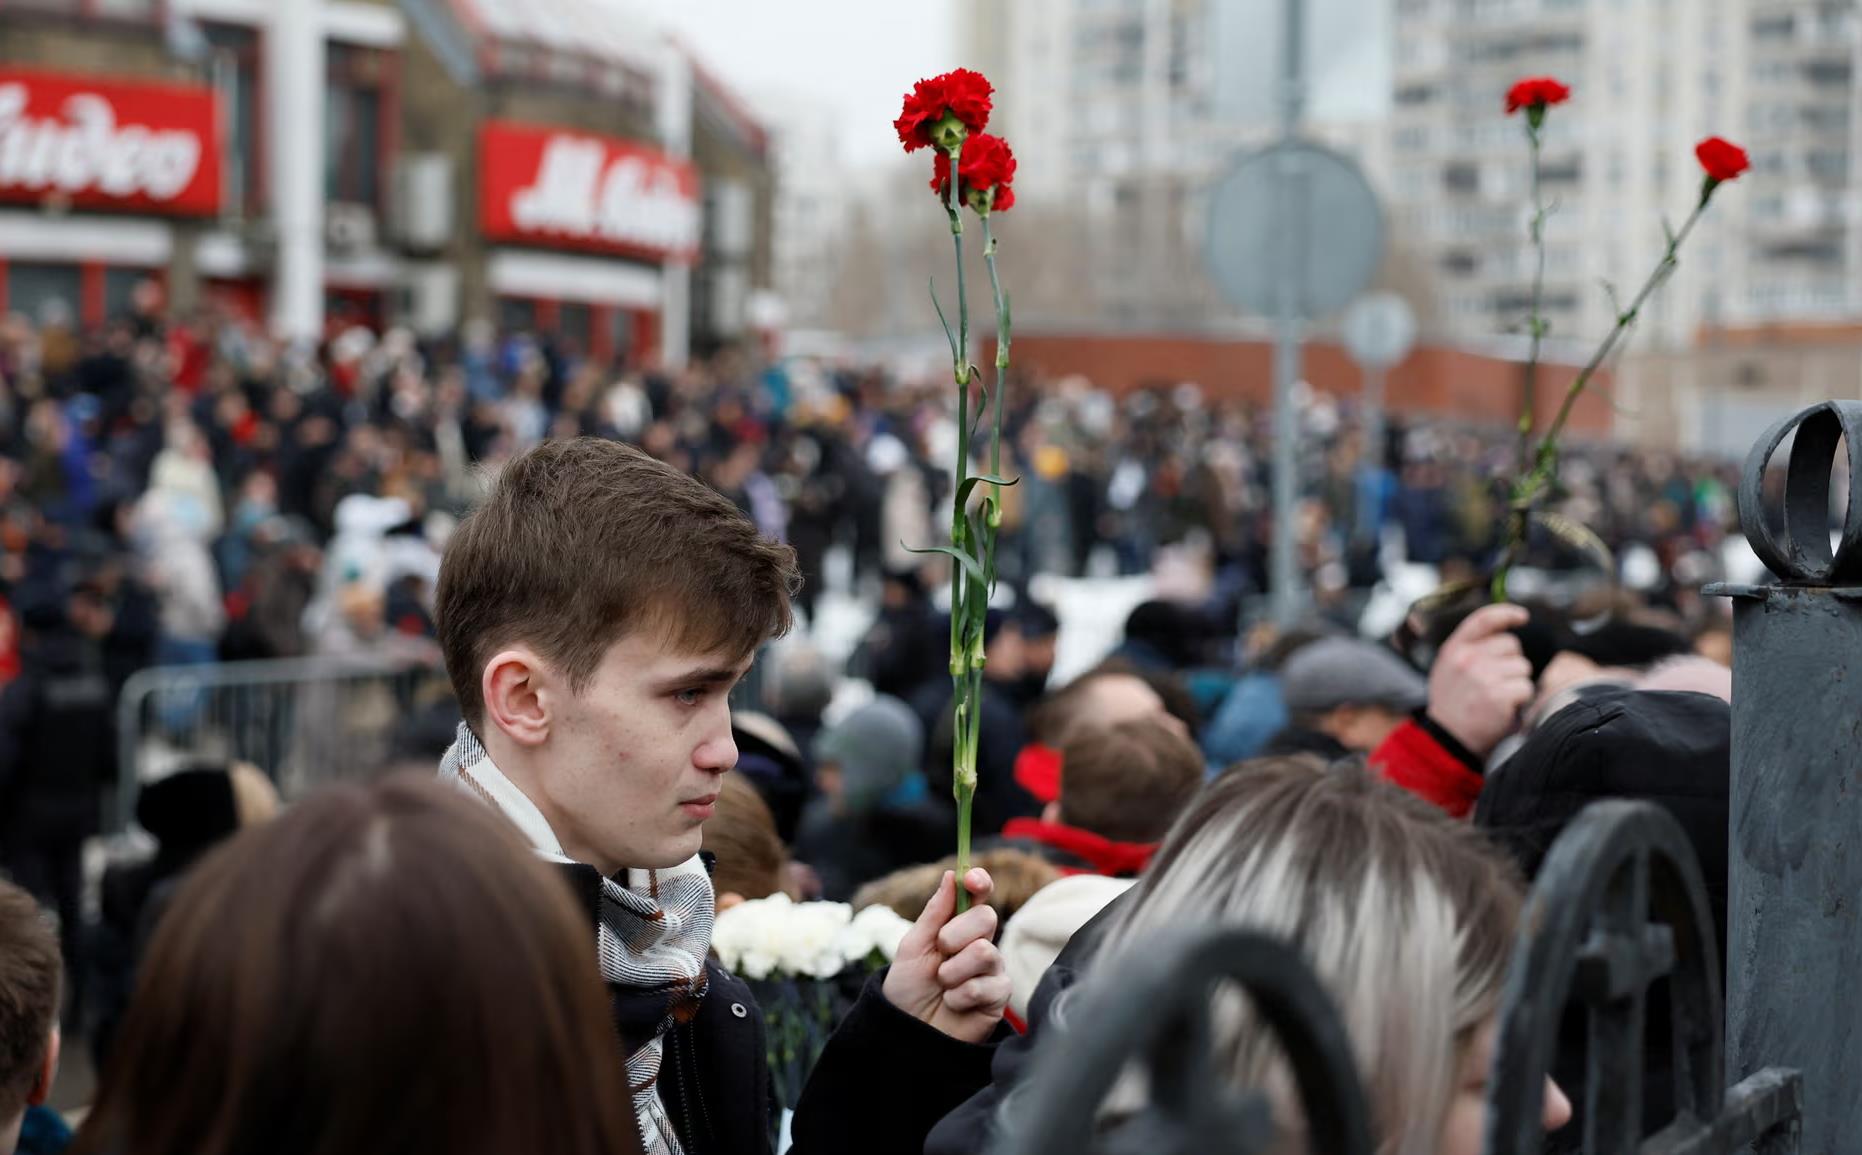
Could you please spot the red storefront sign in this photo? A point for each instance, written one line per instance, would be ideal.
(547, 186)
(104, 144)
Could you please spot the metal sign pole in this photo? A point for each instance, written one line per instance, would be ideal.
(1287, 596)
(1380, 330)
(1371, 454)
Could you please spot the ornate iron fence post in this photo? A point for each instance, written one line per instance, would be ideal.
(1157, 1014)
(1794, 943)
(1618, 905)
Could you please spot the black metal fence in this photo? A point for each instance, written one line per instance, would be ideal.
(1157, 1015)
(1618, 906)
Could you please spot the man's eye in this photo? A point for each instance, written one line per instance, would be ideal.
(690, 697)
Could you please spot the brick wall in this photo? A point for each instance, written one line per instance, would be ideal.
(1436, 380)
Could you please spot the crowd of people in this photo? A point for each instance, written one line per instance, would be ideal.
(597, 559)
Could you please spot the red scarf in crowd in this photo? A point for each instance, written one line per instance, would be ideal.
(1112, 859)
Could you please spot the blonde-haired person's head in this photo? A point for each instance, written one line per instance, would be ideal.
(1406, 917)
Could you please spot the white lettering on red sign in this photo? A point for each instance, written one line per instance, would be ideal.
(629, 201)
(86, 151)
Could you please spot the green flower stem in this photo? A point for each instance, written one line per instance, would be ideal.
(966, 619)
(992, 520)
(1537, 321)
(1531, 489)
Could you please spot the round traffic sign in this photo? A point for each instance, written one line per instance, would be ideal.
(1328, 212)
(1380, 330)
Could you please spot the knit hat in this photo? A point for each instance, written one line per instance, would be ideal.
(877, 747)
(1334, 672)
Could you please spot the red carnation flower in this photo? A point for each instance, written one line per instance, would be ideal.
(961, 96)
(987, 164)
(1536, 94)
(1722, 159)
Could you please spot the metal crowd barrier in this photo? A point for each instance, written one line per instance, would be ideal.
(302, 721)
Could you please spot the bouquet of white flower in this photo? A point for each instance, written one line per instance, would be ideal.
(806, 962)
(775, 936)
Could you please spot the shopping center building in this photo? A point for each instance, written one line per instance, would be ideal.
(549, 165)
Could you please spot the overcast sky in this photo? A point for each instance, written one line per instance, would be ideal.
(856, 57)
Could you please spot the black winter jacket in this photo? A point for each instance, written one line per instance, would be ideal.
(57, 739)
(971, 1128)
(882, 1082)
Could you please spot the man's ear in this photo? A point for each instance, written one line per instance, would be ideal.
(1336, 722)
(48, 1072)
(519, 688)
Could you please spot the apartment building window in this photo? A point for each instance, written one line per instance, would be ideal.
(1813, 252)
(1513, 301)
(1828, 72)
(1831, 164)
(1560, 172)
(1826, 118)
(1461, 177)
(1770, 71)
(1461, 263)
(1564, 5)
(1810, 252)
(1774, 27)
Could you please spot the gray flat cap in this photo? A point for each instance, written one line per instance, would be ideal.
(1335, 672)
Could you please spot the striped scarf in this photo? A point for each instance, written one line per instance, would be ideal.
(653, 936)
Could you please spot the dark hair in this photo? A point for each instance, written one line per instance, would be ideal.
(1128, 782)
(381, 969)
(581, 541)
(30, 975)
(742, 836)
(1054, 721)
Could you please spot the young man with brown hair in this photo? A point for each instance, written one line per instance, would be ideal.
(30, 973)
(595, 612)
(1116, 791)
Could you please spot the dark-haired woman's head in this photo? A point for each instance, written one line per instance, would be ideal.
(381, 969)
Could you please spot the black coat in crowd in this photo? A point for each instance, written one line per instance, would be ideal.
(971, 1127)
(57, 754)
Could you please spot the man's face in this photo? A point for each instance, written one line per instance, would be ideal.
(1361, 728)
(1119, 698)
(634, 763)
